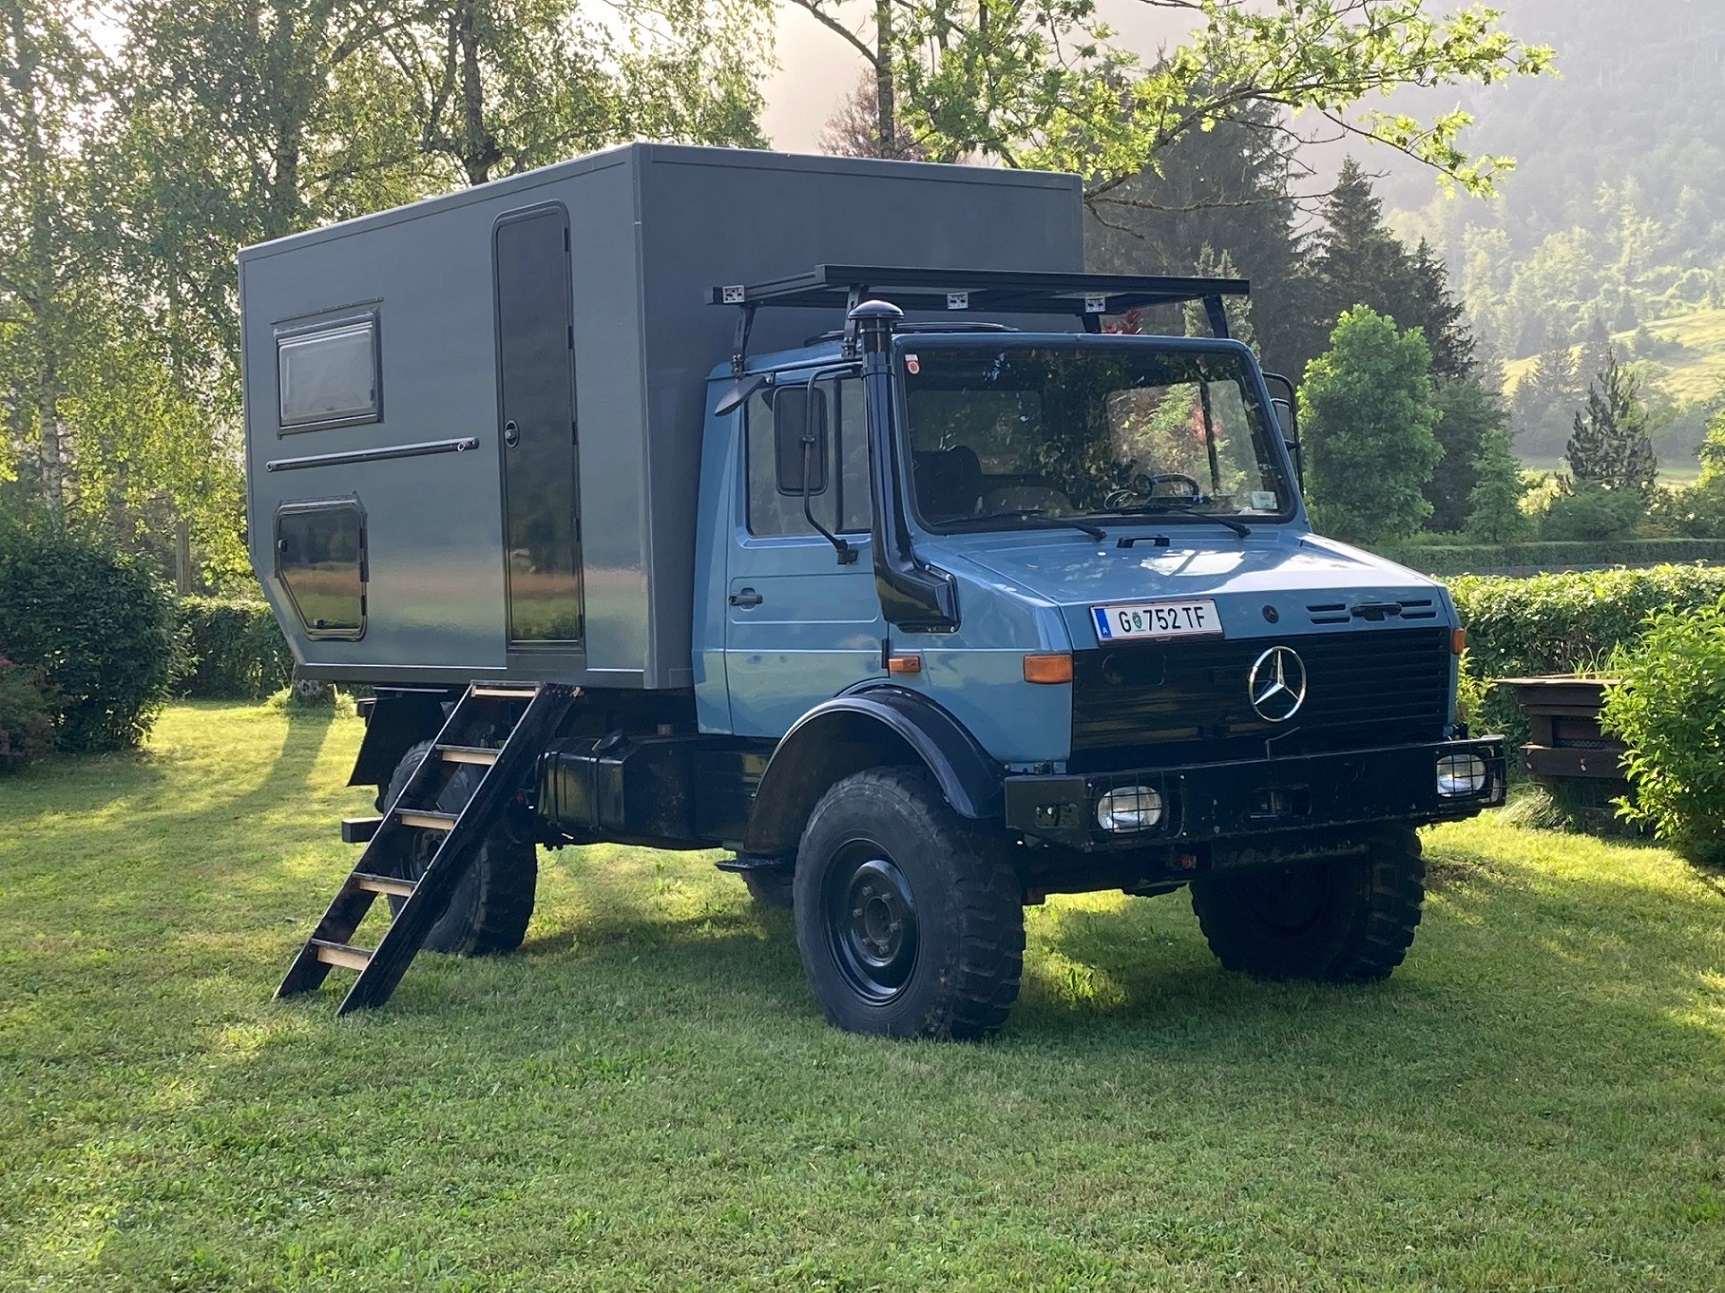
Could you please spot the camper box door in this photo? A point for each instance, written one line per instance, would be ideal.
(536, 416)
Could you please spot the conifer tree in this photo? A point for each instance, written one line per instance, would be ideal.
(1610, 445)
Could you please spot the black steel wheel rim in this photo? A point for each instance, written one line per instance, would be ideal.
(870, 917)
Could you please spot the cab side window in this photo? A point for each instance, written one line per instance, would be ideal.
(841, 500)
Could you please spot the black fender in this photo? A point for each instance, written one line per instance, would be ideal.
(397, 719)
(862, 729)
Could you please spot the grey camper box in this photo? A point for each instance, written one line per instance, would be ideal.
(416, 513)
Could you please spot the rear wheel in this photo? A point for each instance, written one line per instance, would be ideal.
(1347, 919)
(491, 906)
(909, 921)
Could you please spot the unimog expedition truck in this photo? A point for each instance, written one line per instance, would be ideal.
(808, 509)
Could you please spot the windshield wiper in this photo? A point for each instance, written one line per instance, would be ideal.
(1040, 514)
(1157, 507)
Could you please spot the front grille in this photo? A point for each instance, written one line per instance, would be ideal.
(1188, 700)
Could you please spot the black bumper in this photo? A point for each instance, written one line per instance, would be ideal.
(1218, 801)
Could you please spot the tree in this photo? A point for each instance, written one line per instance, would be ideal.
(1471, 421)
(48, 89)
(1229, 190)
(1044, 86)
(854, 128)
(1610, 445)
(1367, 416)
(1360, 262)
(1494, 502)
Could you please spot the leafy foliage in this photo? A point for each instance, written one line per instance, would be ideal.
(95, 624)
(1366, 418)
(26, 721)
(1670, 712)
(1550, 557)
(1562, 624)
(1494, 511)
(1045, 86)
(1585, 511)
(234, 648)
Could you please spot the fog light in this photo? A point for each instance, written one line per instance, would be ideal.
(1130, 808)
(1460, 774)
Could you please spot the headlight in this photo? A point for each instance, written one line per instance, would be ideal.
(1130, 808)
(1460, 774)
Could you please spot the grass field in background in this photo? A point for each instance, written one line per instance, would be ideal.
(646, 1097)
(1689, 376)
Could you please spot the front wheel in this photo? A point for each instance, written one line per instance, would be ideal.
(1347, 919)
(909, 922)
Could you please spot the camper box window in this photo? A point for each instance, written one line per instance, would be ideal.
(327, 373)
(320, 559)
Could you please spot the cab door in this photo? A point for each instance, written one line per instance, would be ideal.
(800, 626)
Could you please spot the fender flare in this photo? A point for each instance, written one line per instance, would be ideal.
(858, 730)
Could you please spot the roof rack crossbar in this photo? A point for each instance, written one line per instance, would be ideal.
(982, 291)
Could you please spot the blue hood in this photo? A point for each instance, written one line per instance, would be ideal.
(1269, 584)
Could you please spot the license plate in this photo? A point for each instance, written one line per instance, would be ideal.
(1188, 619)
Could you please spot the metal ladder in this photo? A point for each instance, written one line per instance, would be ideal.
(530, 713)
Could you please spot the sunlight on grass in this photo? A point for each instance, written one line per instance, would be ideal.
(647, 1097)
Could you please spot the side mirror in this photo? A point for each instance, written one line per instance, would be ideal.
(1284, 417)
(800, 440)
(1287, 420)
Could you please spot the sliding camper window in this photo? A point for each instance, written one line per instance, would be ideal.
(327, 373)
(320, 558)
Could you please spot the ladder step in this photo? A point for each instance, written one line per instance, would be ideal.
(382, 884)
(343, 954)
(425, 819)
(466, 754)
(503, 691)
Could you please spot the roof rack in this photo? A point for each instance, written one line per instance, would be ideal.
(1084, 296)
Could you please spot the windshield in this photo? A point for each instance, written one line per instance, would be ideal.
(1019, 434)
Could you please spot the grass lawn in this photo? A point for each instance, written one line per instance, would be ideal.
(647, 1097)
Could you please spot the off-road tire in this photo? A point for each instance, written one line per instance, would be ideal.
(490, 908)
(771, 888)
(882, 846)
(1346, 920)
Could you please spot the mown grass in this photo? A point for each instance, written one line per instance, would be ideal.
(646, 1097)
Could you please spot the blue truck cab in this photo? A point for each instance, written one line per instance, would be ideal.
(1059, 588)
(907, 585)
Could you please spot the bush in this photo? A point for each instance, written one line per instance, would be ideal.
(1670, 712)
(236, 650)
(95, 625)
(1534, 558)
(1586, 511)
(1556, 624)
(26, 722)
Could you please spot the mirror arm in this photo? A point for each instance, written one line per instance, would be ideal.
(847, 555)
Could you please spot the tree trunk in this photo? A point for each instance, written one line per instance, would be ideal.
(52, 451)
(183, 557)
(479, 150)
(886, 128)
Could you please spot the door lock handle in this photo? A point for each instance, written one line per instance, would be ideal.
(511, 434)
(745, 597)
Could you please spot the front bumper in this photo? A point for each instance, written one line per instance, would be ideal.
(1207, 802)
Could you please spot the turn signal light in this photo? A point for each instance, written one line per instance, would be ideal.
(1048, 668)
(1457, 641)
(904, 664)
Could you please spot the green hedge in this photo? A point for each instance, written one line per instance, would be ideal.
(97, 628)
(1529, 558)
(1569, 623)
(236, 650)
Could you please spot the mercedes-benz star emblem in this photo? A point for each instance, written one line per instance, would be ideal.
(1277, 684)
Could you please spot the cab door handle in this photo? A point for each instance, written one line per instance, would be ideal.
(745, 597)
